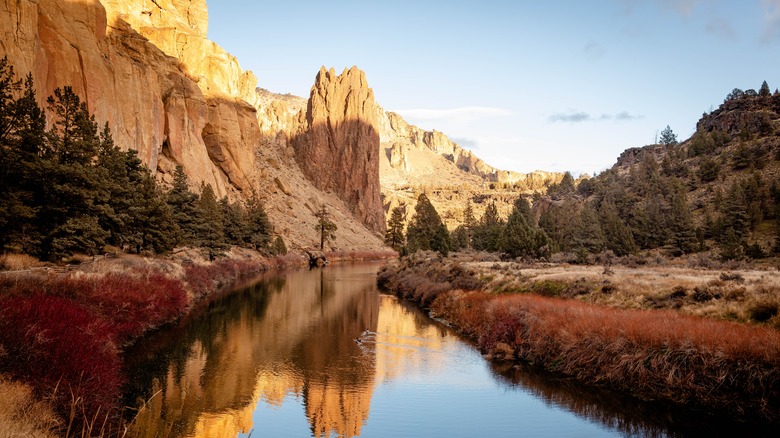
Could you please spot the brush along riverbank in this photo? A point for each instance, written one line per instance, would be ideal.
(62, 331)
(655, 353)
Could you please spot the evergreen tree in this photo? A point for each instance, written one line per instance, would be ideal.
(394, 236)
(764, 90)
(185, 210)
(259, 227)
(559, 223)
(426, 231)
(152, 226)
(668, 137)
(617, 235)
(234, 222)
(521, 237)
(278, 247)
(325, 226)
(682, 232)
(487, 235)
(588, 236)
(22, 140)
(459, 238)
(469, 223)
(212, 240)
(71, 199)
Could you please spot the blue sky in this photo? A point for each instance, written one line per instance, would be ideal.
(550, 85)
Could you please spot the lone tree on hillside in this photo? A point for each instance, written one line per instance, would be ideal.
(764, 90)
(395, 228)
(325, 226)
(668, 137)
(426, 231)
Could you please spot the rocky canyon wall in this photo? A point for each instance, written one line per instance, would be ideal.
(153, 102)
(337, 142)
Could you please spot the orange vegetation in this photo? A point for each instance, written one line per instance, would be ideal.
(655, 354)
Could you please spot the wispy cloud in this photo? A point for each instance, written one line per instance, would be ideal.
(466, 142)
(720, 28)
(771, 20)
(462, 113)
(594, 50)
(683, 7)
(582, 116)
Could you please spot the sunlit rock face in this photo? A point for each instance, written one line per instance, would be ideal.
(337, 142)
(110, 53)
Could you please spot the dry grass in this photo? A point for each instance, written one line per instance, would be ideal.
(658, 354)
(18, 262)
(21, 415)
(356, 256)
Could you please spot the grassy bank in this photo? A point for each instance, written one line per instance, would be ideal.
(657, 354)
(61, 332)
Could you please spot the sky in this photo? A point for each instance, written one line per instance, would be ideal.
(549, 85)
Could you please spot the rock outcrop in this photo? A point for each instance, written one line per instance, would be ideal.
(337, 143)
(153, 103)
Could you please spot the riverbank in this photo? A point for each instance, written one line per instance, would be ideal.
(658, 353)
(62, 331)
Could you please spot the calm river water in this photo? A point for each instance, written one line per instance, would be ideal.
(280, 358)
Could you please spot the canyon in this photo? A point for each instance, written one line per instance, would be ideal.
(148, 70)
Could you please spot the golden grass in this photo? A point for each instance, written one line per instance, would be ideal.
(658, 349)
(18, 262)
(21, 415)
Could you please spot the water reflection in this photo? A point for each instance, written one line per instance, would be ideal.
(281, 358)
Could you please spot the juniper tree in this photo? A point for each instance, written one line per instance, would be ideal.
(325, 226)
(259, 227)
(394, 236)
(185, 211)
(212, 239)
(426, 231)
(487, 234)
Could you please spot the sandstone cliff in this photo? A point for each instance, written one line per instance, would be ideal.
(147, 68)
(337, 142)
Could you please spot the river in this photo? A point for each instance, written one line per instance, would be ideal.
(323, 353)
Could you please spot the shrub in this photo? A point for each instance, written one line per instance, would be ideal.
(18, 262)
(54, 342)
(732, 276)
(763, 311)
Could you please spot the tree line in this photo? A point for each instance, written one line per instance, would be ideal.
(69, 189)
(644, 208)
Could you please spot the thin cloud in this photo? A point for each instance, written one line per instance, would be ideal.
(720, 28)
(571, 117)
(582, 116)
(594, 50)
(771, 20)
(462, 113)
(683, 7)
(465, 142)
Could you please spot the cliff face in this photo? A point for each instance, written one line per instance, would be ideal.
(337, 143)
(152, 102)
(147, 68)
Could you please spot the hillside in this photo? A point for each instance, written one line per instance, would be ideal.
(167, 91)
(717, 190)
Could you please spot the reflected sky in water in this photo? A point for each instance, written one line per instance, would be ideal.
(323, 353)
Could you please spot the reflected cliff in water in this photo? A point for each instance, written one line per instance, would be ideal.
(323, 353)
(273, 339)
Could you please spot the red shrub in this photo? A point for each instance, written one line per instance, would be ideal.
(53, 342)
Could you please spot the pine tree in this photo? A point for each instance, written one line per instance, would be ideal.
(325, 226)
(764, 90)
(394, 236)
(618, 237)
(469, 223)
(487, 235)
(521, 236)
(234, 222)
(668, 137)
(682, 232)
(588, 236)
(426, 231)
(212, 240)
(278, 247)
(185, 210)
(259, 227)
(22, 140)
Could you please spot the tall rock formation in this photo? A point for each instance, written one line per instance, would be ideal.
(337, 143)
(110, 54)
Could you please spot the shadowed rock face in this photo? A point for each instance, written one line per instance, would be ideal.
(337, 143)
